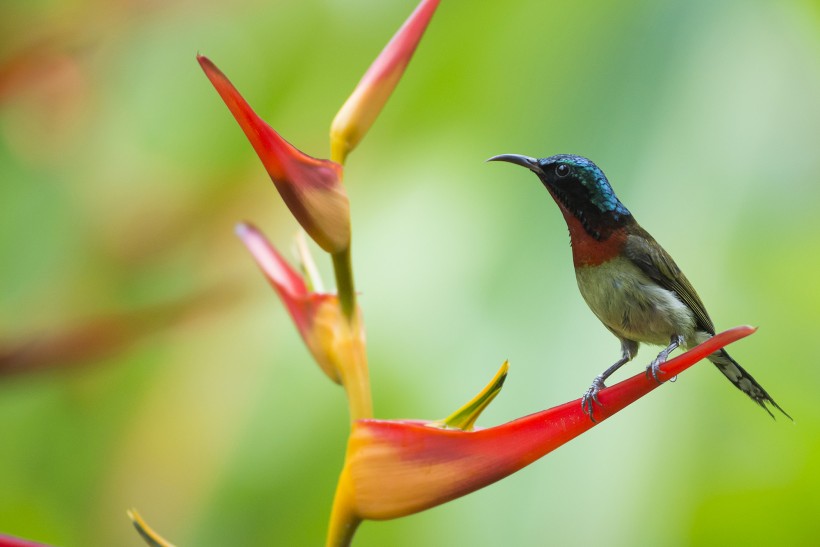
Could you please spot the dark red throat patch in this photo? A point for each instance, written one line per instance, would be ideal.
(587, 250)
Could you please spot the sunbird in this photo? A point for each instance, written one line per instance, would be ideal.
(626, 278)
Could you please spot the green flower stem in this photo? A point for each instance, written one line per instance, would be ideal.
(353, 357)
(344, 283)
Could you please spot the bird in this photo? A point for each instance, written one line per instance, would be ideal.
(631, 284)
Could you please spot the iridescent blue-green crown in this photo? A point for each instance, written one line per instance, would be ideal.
(593, 179)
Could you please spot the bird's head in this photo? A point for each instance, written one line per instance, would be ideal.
(580, 188)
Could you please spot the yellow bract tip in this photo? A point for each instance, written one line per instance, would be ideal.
(150, 536)
(464, 418)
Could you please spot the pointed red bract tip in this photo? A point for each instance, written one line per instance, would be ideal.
(399, 50)
(286, 281)
(281, 275)
(312, 188)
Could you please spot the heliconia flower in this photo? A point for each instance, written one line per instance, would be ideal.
(336, 342)
(363, 106)
(148, 534)
(312, 188)
(395, 468)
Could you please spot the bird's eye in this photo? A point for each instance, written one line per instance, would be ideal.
(562, 170)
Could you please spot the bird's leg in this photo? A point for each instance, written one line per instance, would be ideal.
(628, 350)
(654, 367)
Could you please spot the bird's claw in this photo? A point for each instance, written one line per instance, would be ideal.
(590, 398)
(654, 369)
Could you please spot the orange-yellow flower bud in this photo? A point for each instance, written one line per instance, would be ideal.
(361, 108)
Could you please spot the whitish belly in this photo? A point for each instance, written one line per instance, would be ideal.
(633, 306)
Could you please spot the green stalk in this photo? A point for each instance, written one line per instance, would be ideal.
(352, 356)
(344, 282)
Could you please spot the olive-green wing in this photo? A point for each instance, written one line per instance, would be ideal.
(656, 263)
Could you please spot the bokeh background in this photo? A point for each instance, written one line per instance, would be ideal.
(146, 363)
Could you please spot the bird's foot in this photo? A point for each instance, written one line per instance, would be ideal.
(590, 398)
(654, 368)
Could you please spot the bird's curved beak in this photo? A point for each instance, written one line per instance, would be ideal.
(524, 161)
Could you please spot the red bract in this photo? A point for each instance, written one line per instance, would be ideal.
(8, 541)
(398, 467)
(311, 188)
(364, 104)
(336, 342)
(312, 313)
(287, 282)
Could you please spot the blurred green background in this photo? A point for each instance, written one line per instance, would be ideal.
(169, 378)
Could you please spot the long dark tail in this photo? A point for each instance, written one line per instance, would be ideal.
(744, 381)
